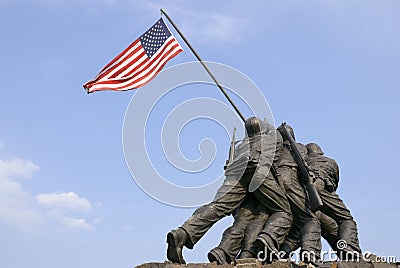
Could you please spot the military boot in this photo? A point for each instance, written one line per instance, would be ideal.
(245, 254)
(262, 252)
(219, 256)
(176, 239)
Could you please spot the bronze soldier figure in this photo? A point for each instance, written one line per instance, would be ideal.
(304, 220)
(327, 173)
(255, 156)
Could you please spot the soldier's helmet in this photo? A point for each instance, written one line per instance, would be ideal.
(313, 148)
(254, 126)
(289, 129)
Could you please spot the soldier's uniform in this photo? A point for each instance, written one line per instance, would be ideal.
(329, 231)
(249, 220)
(304, 220)
(327, 172)
(250, 170)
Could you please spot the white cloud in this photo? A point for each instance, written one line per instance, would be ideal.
(17, 168)
(62, 203)
(18, 206)
(15, 203)
(76, 223)
(69, 222)
(69, 201)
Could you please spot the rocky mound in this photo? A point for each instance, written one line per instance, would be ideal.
(254, 263)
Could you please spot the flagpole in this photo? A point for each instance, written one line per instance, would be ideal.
(205, 66)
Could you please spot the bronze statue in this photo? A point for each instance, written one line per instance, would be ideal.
(329, 230)
(249, 219)
(266, 193)
(288, 178)
(327, 173)
(253, 155)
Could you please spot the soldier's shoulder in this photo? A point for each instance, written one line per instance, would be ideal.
(330, 160)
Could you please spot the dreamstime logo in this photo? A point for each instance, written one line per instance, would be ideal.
(326, 255)
(172, 111)
(341, 244)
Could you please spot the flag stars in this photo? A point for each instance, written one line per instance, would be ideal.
(154, 38)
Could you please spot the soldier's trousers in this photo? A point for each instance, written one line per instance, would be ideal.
(329, 231)
(229, 196)
(337, 210)
(304, 220)
(249, 220)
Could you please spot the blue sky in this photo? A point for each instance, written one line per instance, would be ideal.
(67, 199)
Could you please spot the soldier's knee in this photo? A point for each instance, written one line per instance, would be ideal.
(347, 226)
(243, 213)
(212, 210)
(282, 219)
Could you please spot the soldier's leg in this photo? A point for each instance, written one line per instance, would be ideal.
(329, 229)
(233, 236)
(253, 229)
(292, 241)
(229, 196)
(278, 224)
(304, 220)
(348, 232)
(335, 208)
(311, 242)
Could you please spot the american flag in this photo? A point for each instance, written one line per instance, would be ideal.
(139, 63)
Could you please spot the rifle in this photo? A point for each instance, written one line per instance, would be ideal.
(308, 177)
(232, 148)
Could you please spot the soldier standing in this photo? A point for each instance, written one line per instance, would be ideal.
(304, 220)
(327, 172)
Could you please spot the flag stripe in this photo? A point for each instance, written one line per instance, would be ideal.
(142, 78)
(135, 83)
(118, 61)
(146, 63)
(136, 63)
(139, 63)
(128, 59)
(120, 55)
(134, 69)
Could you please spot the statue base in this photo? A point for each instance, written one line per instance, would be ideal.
(254, 263)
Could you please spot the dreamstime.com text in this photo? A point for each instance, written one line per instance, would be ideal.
(328, 256)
